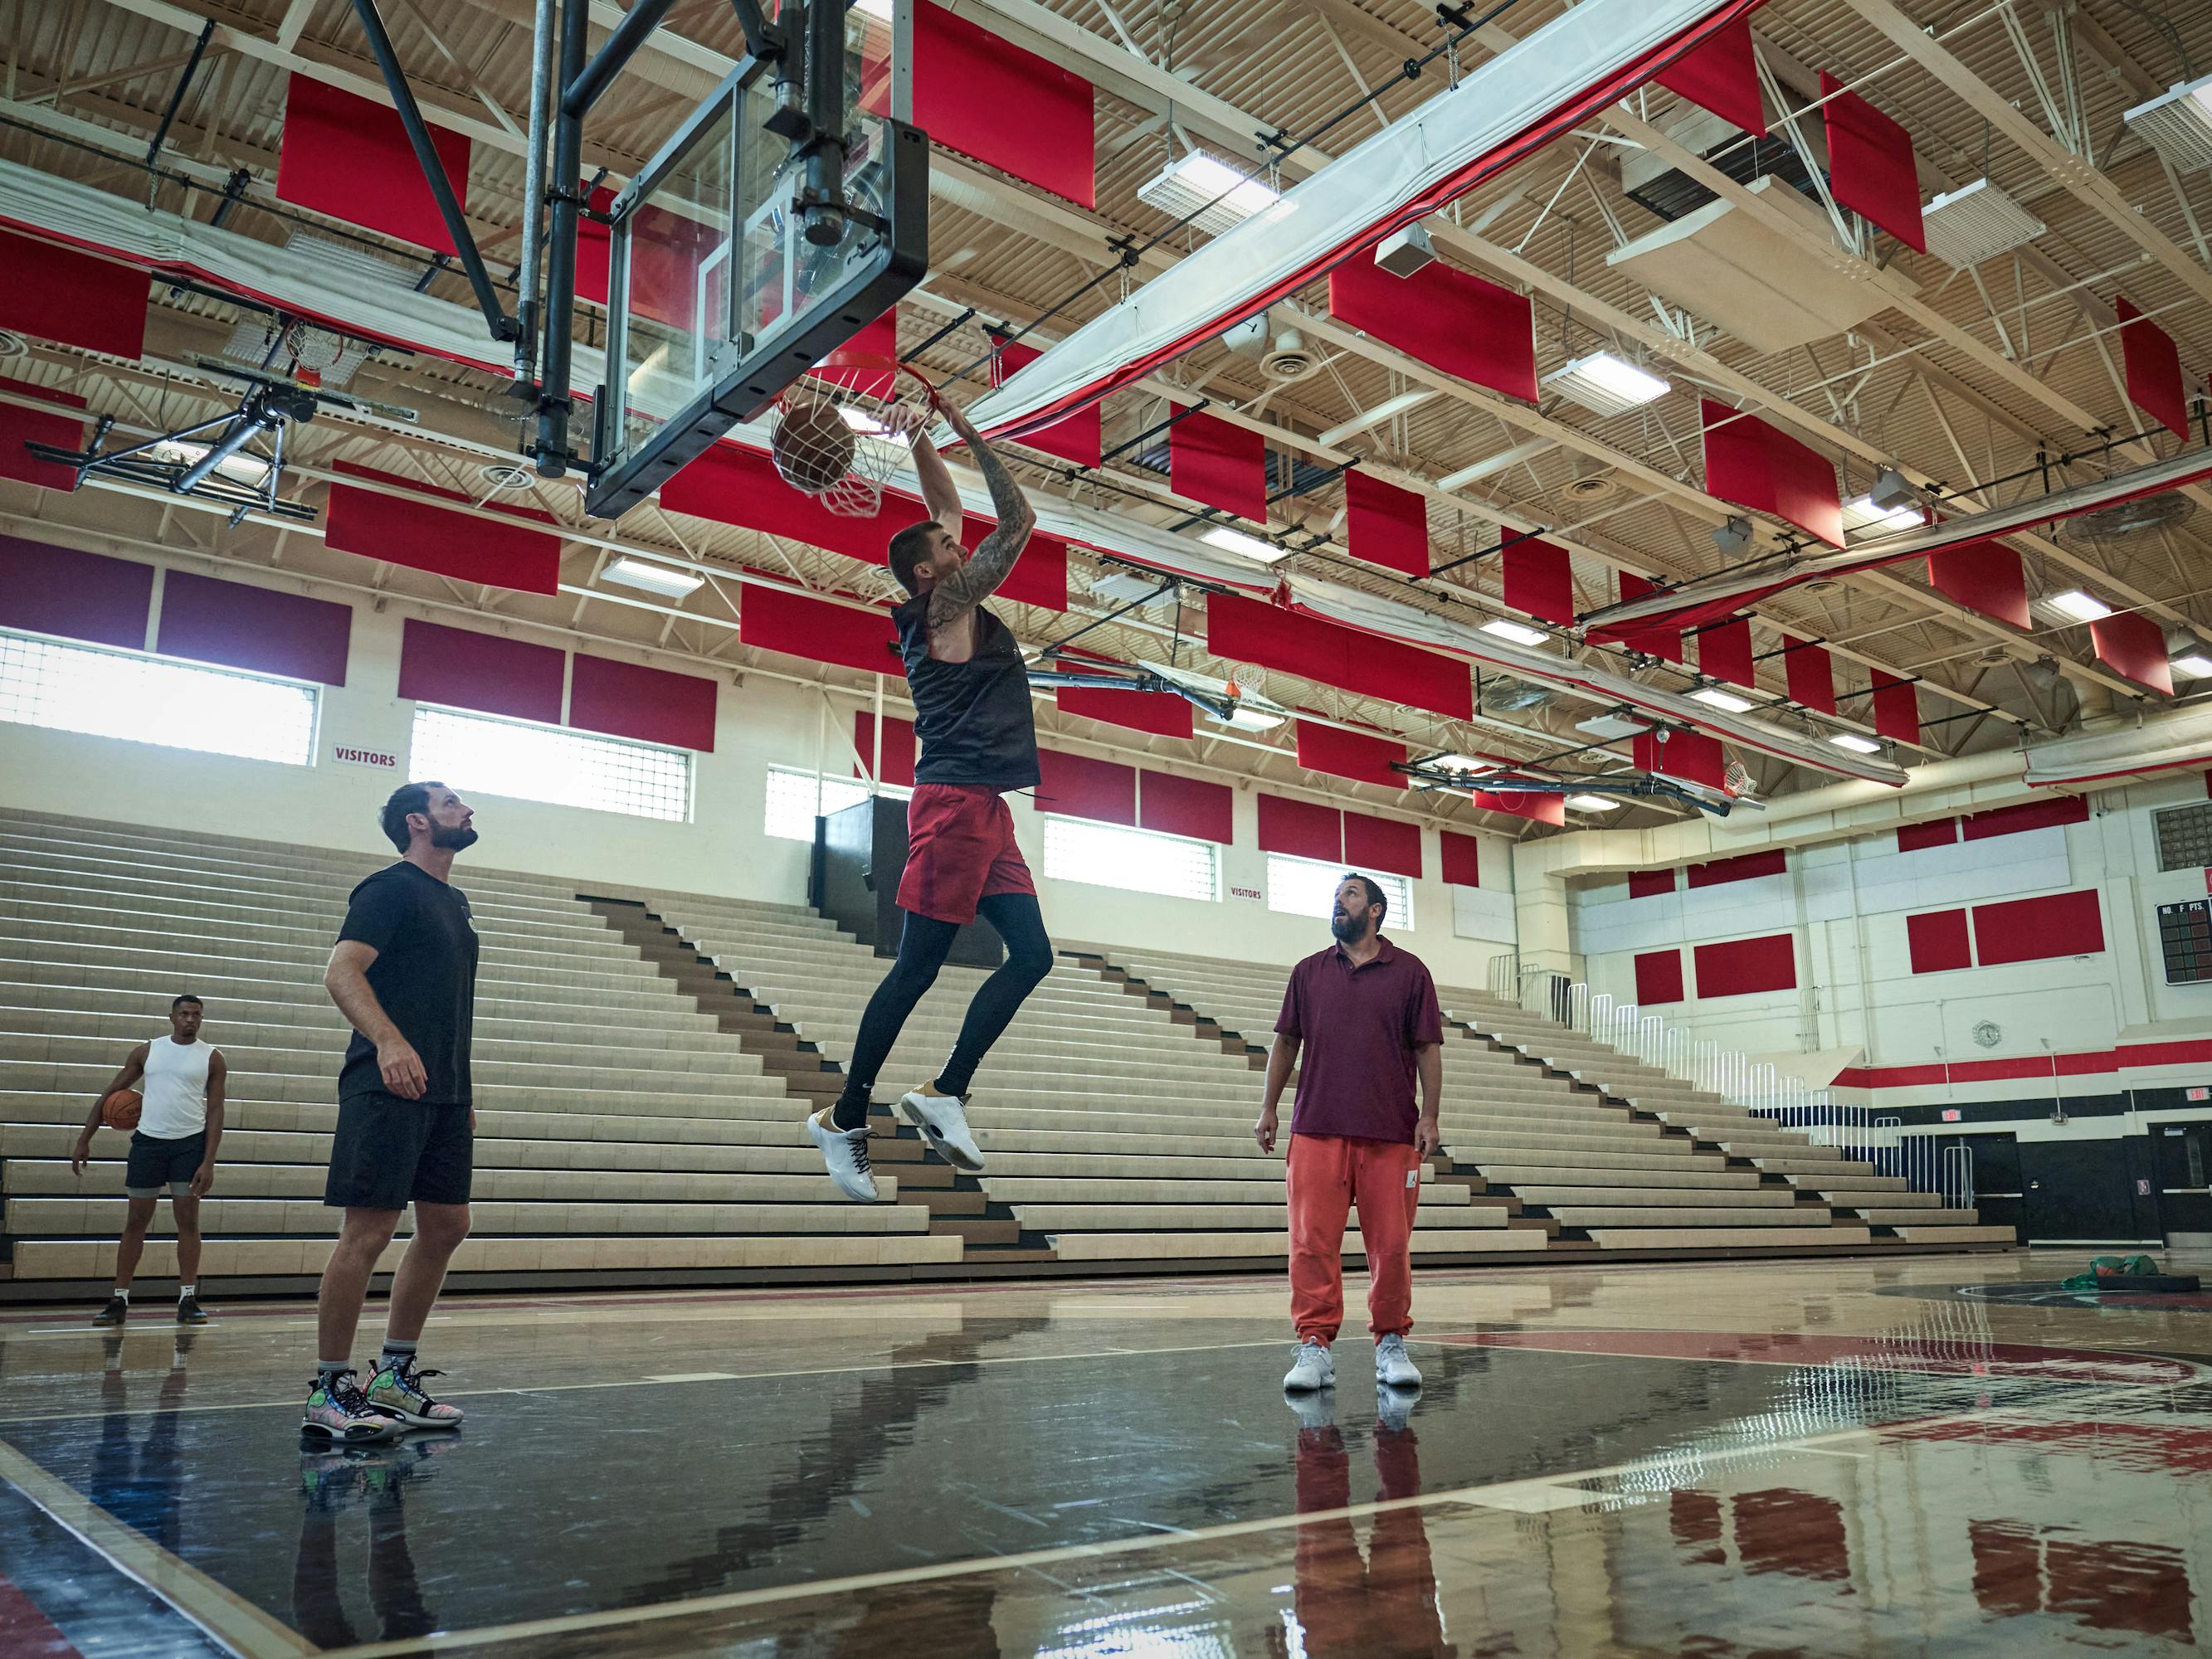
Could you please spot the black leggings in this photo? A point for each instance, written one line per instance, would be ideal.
(923, 944)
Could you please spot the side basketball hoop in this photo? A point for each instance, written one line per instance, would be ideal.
(846, 425)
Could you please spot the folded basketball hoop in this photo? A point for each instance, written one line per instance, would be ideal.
(846, 425)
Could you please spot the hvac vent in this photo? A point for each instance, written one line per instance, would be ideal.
(2177, 125)
(1662, 189)
(13, 345)
(1975, 223)
(505, 475)
(2125, 521)
(1288, 358)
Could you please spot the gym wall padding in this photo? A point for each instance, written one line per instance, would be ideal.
(1386, 844)
(1744, 866)
(1760, 467)
(1078, 787)
(653, 705)
(241, 626)
(58, 293)
(78, 595)
(348, 156)
(2027, 815)
(20, 426)
(1176, 805)
(1385, 525)
(1658, 977)
(489, 673)
(467, 547)
(776, 619)
(1741, 967)
(2153, 365)
(1871, 167)
(1937, 941)
(1300, 829)
(1219, 463)
(1912, 837)
(1448, 318)
(1352, 755)
(2037, 929)
(1650, 884)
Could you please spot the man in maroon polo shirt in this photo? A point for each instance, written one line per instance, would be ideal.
(1364, 1014)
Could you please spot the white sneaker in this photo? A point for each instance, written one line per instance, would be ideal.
(1314, 1408)
(846, 1153)
(1310, 1368)
(1393, 1370)
(944, 1125)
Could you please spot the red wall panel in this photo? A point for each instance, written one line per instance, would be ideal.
(1450, 317)
(1075, 439)
(1745, 867)
(775, 619)
(349, 156)
(20, 426)
(1463, 858)
(1764, 468)
(2133, 646)
(1725, 652)
(1537, 809)
(899, 747)
(1912, 837)
(1078, 787)
(1896, 708)
(1353, 755)
(2035, 929)
(488, 672)
(1740, 967)
(629, 699)
(1650, 884)
(1720, 75)
(1658, 977)
(469, 549)
(1373, 843)
(1811, 676)
(58, 293)
(1664, 642)
(1385, 525)
(241, 626)
(1222, 464)
(1300, 829)
(1937, 941)
(1159, 713)
(1186, 806)
(1539, 579)
(2154, 370)
(78, 595)
(2040, 814)
(1249, 630)
(1870, 164)
(1985, 577)
(1011, 109)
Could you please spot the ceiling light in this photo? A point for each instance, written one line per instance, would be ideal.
(1520, 633)
(869, 427)
(1976, 221)
(661, 579)
(1715, 697)
(1611, 728)
(878, 9)
(2177, 125)
(1236, 541)
(1892, 488)
(1855, 743)
(1402, 252)
(1215, 195)
(1867, 513)
(2082, 607)
(1592, 803)
(1387, 410)
(1249, 719)
(243, 467)
(1604, 385)
(2194, 665)
(1460, 763)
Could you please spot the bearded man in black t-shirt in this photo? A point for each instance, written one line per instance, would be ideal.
(403, 973)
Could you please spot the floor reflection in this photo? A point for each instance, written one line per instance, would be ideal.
(1381, 1604)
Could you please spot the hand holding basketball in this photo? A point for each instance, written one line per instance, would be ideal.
(120, 1109)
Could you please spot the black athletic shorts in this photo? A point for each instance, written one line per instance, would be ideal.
(388, 1150)
(157, 1164)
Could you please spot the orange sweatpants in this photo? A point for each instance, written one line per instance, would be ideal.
(1328, 1174)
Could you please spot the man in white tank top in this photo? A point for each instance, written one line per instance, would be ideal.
(180, 1078)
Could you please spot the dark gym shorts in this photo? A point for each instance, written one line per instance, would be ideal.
(388, 1150)
(154, 1165)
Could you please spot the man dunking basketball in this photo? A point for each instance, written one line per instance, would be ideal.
(971, 711)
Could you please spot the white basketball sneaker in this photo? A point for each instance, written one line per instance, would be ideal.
(944, 1124)
(1393, 1369)
(846, 1153)
(1310, 1368)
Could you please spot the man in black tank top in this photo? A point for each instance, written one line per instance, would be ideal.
(971, 712)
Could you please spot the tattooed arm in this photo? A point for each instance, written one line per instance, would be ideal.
(976, 581)
(939, 495)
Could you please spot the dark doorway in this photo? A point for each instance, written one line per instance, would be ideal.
(1999, 1194)
(2079, 1191)
(2182, 1156)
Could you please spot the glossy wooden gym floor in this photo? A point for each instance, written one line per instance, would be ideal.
(1785, 1457)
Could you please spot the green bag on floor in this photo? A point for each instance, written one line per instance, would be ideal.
(2112, 1266)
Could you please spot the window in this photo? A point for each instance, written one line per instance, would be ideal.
(793, 803)
(1141, 860)
(525, 761)
(145, 699)
(1306, 888)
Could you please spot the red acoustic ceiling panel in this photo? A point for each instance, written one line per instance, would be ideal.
(1353, 755)
(2154, 370)
(488, 672)
(1913, 837)
(2132, 645)
(2044, 814)
(1385, 525)
(1223, 466)
(628, 699)
(1745, 867)
(1658, 977)
(241, 626)
(1039, 576)
(775, 619)
(1725, 652)
(1249, 630)
(1075, 439)
(1896, 708)
(78, 595)
(1463, 858)
(1692, 756)
(899, 747)
(58, 293)
(20, 426)
(1661, 642)
(505, 550)
(1537, 809)
(1870, 164)
(1650, 884)
(2037, 929)
(1372, 843)
(1765, 469)
(878, 337)
(1720, 75)
(349, 156)
(1937, 941)
(1078, 787)
(1445, 317)
(1812, 677)
(1186, 806)
(1160, 713)
(594, 248)
(1740, 967)
(1009, 109)
(1539, 579)
(1986, 577)
(1300, 829)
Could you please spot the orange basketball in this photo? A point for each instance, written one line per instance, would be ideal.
(812, 447)
(120, 1109)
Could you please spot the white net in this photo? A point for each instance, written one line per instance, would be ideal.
(846, 427)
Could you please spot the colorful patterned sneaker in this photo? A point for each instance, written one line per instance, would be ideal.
(114, 1313)
(943, 1120)
(396, 1390)
(189, 1311)
(336, 1411)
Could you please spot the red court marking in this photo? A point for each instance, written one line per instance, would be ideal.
(27, 1633)
(2011, 1360)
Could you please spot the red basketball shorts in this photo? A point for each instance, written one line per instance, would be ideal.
(959, 849)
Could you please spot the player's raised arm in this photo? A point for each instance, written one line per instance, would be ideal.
(976, 581)
(938, 493)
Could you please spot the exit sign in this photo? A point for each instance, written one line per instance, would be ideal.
(1952, 1115)
(2197, 1094)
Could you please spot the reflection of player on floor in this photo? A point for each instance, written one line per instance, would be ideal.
(971, 712)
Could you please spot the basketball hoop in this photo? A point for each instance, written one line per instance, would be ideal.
(846, 425)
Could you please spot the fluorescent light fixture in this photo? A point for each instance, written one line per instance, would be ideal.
(1388, 409)
(2194, 665)
(2082, 607)
(1610, 728)
(245, 467)
(1249, 719)
(1236, 541)
(661, 579)
(1461, 764)
(869, 427)
(1592, 803)
(1855, 743)
(2177, 125)
(1189, 184)
(879, 10)
(1520, 633)
(1605, 385)
(1713, 696)
(1867, 514)
(1497, 463)
(1976, 222)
